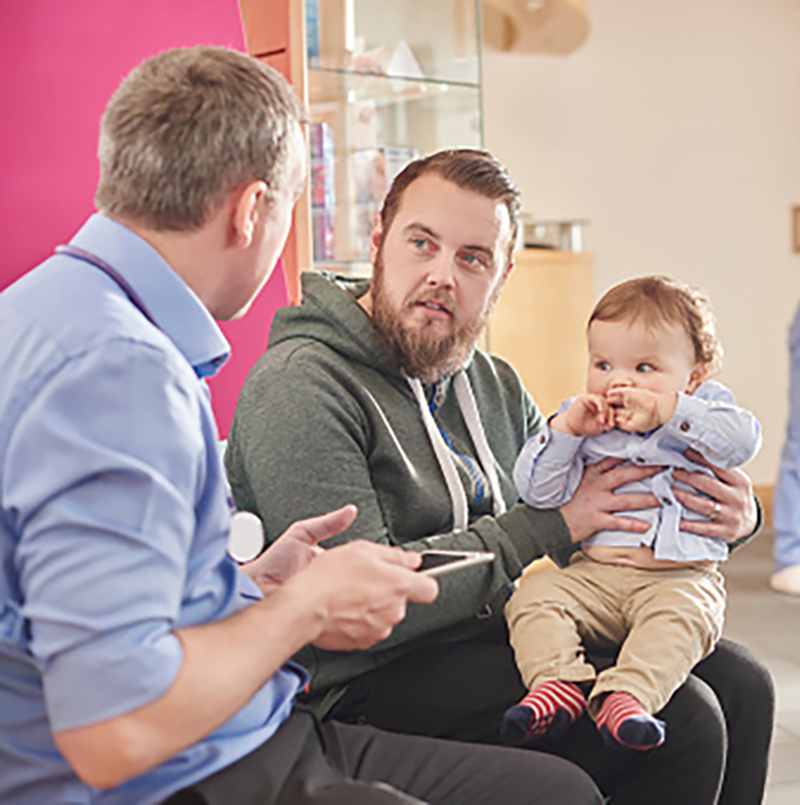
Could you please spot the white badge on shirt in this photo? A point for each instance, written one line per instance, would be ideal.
(246, 540)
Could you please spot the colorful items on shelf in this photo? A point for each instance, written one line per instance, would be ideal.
(323, 196)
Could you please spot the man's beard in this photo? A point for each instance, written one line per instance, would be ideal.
(418, 351)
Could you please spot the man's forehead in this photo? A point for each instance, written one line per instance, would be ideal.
(441, 207)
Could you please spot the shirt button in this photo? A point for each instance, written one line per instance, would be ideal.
(542, 439)
(666, 501)
(639, 460)
(685, 426)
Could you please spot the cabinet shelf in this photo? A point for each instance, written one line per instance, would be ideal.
(312, 70)
(450, 110)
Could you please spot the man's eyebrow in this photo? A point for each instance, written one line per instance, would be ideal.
(426, 230)
(482, 249)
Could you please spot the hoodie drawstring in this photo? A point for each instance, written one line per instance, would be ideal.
(469, 410)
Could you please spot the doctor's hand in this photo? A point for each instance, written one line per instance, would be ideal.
(294, 550)
(359, 591)
(595, 504)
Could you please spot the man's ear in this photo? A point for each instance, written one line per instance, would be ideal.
(375, 238)
(698, 376)
(501, 280)
(249, 204)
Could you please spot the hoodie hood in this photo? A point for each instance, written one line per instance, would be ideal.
(330, 313)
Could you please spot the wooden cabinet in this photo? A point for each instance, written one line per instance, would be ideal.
(539, 323)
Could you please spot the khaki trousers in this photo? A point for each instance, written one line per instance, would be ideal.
(665, 621)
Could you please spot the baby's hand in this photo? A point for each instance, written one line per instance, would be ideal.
(640, 409)
(587, 415)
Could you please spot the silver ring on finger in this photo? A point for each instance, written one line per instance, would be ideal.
(715, 513)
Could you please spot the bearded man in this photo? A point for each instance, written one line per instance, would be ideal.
(373, 393)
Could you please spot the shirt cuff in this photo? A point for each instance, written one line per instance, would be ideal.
(562, 447)
(689, 418)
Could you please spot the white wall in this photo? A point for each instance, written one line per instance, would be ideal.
(676, 131)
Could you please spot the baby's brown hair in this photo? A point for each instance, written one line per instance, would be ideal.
(658, 300)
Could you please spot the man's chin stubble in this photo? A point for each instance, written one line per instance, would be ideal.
(422, 354)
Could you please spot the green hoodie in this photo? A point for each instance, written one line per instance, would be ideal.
(325, 418)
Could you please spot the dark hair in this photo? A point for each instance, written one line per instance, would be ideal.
(468, 168)
(187, 127)
(658, 300)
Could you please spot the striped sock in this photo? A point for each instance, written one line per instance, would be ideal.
(623, 721)
(547, 710)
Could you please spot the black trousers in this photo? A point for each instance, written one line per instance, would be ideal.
(719, 723)
(339, 764)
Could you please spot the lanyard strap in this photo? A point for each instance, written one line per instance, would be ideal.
(112, 273)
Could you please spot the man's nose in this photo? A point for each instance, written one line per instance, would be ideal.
(441, 270)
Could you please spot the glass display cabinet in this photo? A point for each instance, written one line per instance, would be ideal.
(384, 82)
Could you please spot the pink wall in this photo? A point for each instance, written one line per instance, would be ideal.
(61, 60)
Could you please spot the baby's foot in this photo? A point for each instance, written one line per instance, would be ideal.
(547, 710)
(623, 721)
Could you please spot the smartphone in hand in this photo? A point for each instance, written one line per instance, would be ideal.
(436, 563)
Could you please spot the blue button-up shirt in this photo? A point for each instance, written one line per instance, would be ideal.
(551, 465)
(114, 516)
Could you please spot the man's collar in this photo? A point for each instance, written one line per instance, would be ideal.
(175, 308)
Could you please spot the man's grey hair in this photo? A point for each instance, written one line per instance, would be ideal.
(187, 127)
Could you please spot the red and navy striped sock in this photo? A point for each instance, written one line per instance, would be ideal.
(547, 710)
(623, 721)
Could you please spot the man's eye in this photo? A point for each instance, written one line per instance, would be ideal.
(419, 243)
(474, 261)
(644, 368)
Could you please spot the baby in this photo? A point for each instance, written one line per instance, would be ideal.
(658, 595)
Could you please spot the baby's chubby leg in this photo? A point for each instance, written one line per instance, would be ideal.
(549, 616)
(675, 620)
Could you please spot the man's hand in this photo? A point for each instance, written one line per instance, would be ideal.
(587, 415)
(730, 501)
(639, 409)
(359, 592)
(296, 547)
(595, 501)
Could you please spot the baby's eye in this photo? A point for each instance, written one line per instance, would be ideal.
(603, 366)
(644, 368)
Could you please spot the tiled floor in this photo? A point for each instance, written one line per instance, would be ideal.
(769, 623)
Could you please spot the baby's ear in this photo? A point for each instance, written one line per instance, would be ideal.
(698, 376)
